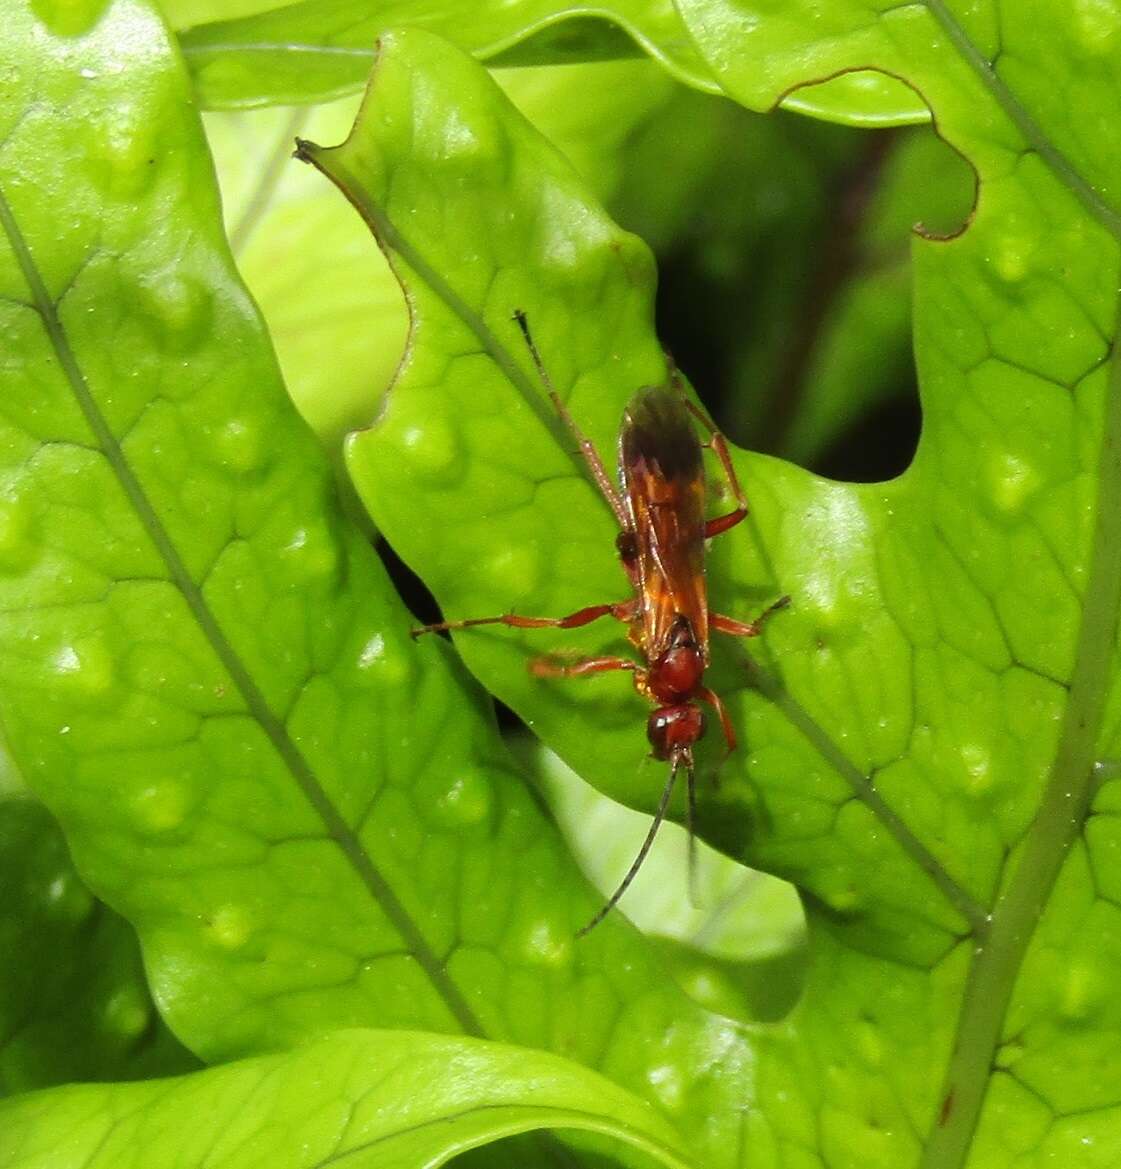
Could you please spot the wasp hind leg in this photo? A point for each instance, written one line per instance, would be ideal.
(719, 446)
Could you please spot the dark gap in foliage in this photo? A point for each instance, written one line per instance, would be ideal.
(567, 1149)
(508, 721)
(878, 445)
(422, 605)
(835, 261)
(412, 590)
(776, 298)
(745, 289)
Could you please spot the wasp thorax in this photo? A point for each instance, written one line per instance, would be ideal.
(677, 672)
(673, 728)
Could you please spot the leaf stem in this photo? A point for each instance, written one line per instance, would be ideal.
(1058, 823)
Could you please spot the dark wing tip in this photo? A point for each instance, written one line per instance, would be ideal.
(657, 430)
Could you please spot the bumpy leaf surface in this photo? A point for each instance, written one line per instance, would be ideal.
(319, 49)
(374, 1100)
(921, 741)
(203, 668)
(324, 48)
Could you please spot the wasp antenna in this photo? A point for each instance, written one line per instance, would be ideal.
(587, 450)
(690, 821)
(636, 864)
(531, 345)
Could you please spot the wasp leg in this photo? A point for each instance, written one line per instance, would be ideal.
(714, 700)
(554, 668)
(736, 628)
(587, 449)
(717, 444)
(621, 611)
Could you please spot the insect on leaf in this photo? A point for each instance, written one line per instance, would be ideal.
(922, 727)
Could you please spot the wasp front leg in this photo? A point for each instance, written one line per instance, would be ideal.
(553, 667)
(620, 610)
(736, 628)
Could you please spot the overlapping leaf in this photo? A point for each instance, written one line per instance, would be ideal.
(315, 274)
(73, 1001)
(319, 49)
(378, 1100)
(311, 265)
(324, 48)
(922, 739)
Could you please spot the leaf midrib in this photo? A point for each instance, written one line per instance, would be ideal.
(1071, 783)
(298, 767)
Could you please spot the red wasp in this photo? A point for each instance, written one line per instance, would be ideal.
(660, 508)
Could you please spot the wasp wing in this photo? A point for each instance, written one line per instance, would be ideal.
(662, 474)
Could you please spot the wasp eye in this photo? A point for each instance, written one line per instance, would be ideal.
(627, 547)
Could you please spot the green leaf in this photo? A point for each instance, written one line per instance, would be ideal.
(205, 673)
(922, 725)
(199, 656)
(73, 1001)
(375, 1099)
(320, 49)
(592, 113)
(859, 98)
(735, 942)
(311, 265)
(181, 14)
(1019, 476)
(318, 278)
(11, 782)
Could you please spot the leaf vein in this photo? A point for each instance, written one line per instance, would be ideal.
(276, 732)
(1033, 133)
